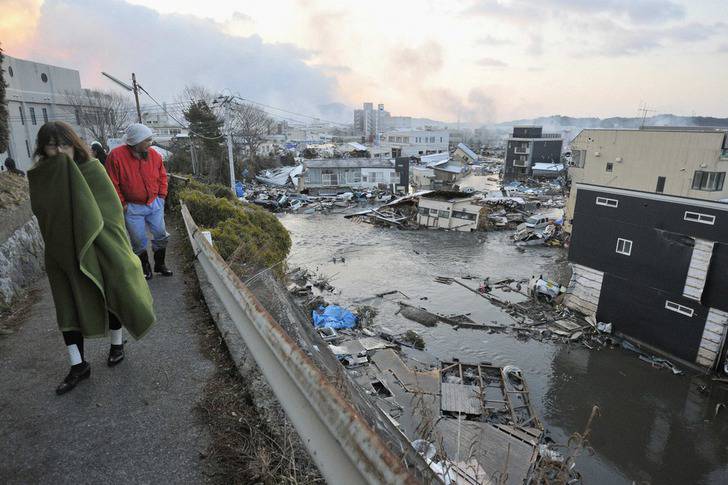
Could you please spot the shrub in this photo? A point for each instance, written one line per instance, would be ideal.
(247, 237)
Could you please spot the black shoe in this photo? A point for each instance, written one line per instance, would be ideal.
(146, 267)
(116, 355)
(78, 373)
(159, 266)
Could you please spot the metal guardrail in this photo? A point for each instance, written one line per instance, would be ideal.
(343, 446)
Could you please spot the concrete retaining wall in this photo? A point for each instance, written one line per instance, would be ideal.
(21, 253)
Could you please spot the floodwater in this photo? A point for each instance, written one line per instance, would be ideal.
(654, 427)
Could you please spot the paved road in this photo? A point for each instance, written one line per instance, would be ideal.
(133, 423)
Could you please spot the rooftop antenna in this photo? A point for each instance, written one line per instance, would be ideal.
(644, 109)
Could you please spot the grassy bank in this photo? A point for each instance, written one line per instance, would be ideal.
(247, 237)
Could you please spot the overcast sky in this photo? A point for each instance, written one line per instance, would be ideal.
(476, 60)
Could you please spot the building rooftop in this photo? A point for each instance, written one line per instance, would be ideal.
(348, 163)
(467, 151)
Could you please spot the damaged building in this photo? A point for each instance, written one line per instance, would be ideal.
(653, 261)
(527, 146)
(454, 211)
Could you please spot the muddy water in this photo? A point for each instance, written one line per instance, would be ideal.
(654, 427)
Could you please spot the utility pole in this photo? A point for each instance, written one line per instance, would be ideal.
(135, 86)
(225, 102)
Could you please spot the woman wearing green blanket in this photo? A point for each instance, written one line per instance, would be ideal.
(95, 277)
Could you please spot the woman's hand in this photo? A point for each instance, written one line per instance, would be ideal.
(67, 149)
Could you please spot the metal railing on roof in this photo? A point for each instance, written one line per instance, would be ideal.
(341, 443)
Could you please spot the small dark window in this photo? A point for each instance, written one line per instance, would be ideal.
(77, 112)
(44, 77)
(45, 115)
(27, 147)
(610, 166)
(22, 115)
(32, 116)
(10, 71)
(660, 185)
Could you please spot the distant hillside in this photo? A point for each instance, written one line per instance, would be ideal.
(558, 121)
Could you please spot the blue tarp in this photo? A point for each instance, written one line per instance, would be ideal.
(239, 189)
(333, 317)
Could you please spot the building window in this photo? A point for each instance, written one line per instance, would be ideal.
(710, 181)
(77, 112)
(440, 139)
(698, 217)
(433, 212)
(624, 246)
(444, 214)
(423, 211)
(660, 185)
(578, 157)
(32, 116)
(22, 115)
(10, 71)
(676, 307)
(607, 202)
(610, 166)
(463, 215)
(44, 77)
(27, 147)
(45, 115)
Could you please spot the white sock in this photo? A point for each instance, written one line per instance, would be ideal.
(116, 338)
(74, 356)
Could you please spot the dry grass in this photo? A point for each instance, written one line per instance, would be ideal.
(13, 190)
(243, 447)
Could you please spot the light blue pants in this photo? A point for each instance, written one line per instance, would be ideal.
(140, 216)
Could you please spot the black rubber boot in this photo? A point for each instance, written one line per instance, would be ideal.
(78, 373)
(116, 355)
(159, 266)
(146, 267)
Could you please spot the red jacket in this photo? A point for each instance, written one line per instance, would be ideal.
(136, 180)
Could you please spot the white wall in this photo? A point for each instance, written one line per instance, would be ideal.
(27, 89)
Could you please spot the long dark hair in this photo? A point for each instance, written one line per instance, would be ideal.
(61, 133)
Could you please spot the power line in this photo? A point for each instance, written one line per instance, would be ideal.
(176, 120)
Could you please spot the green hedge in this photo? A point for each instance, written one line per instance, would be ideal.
(247, 237)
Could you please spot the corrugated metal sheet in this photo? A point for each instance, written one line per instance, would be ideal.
(584, 289)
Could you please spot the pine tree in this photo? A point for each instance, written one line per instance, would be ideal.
(4, 128)
(205, 130)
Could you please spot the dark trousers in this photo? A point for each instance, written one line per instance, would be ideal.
(76, 337)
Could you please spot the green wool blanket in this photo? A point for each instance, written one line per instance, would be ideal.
(89, 261)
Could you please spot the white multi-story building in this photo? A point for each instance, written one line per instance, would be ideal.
(414, 143)
(165, 128)
(369, 122)
(36, 94)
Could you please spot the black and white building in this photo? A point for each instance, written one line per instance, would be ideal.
(656, 267)
(527, 146)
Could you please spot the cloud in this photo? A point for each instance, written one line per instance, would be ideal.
(492, 41)
(490, 62)
(532, 11)
(242, 17)
(476, 107)
(419, 62)
(169, 51)
(535, 45)
(612, 39)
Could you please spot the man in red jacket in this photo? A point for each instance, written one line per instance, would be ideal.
(140, 179)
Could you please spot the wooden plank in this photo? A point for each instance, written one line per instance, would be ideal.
(459, 398)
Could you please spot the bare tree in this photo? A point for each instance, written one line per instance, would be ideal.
(251, 125)
(194, 93)
(104, 114)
